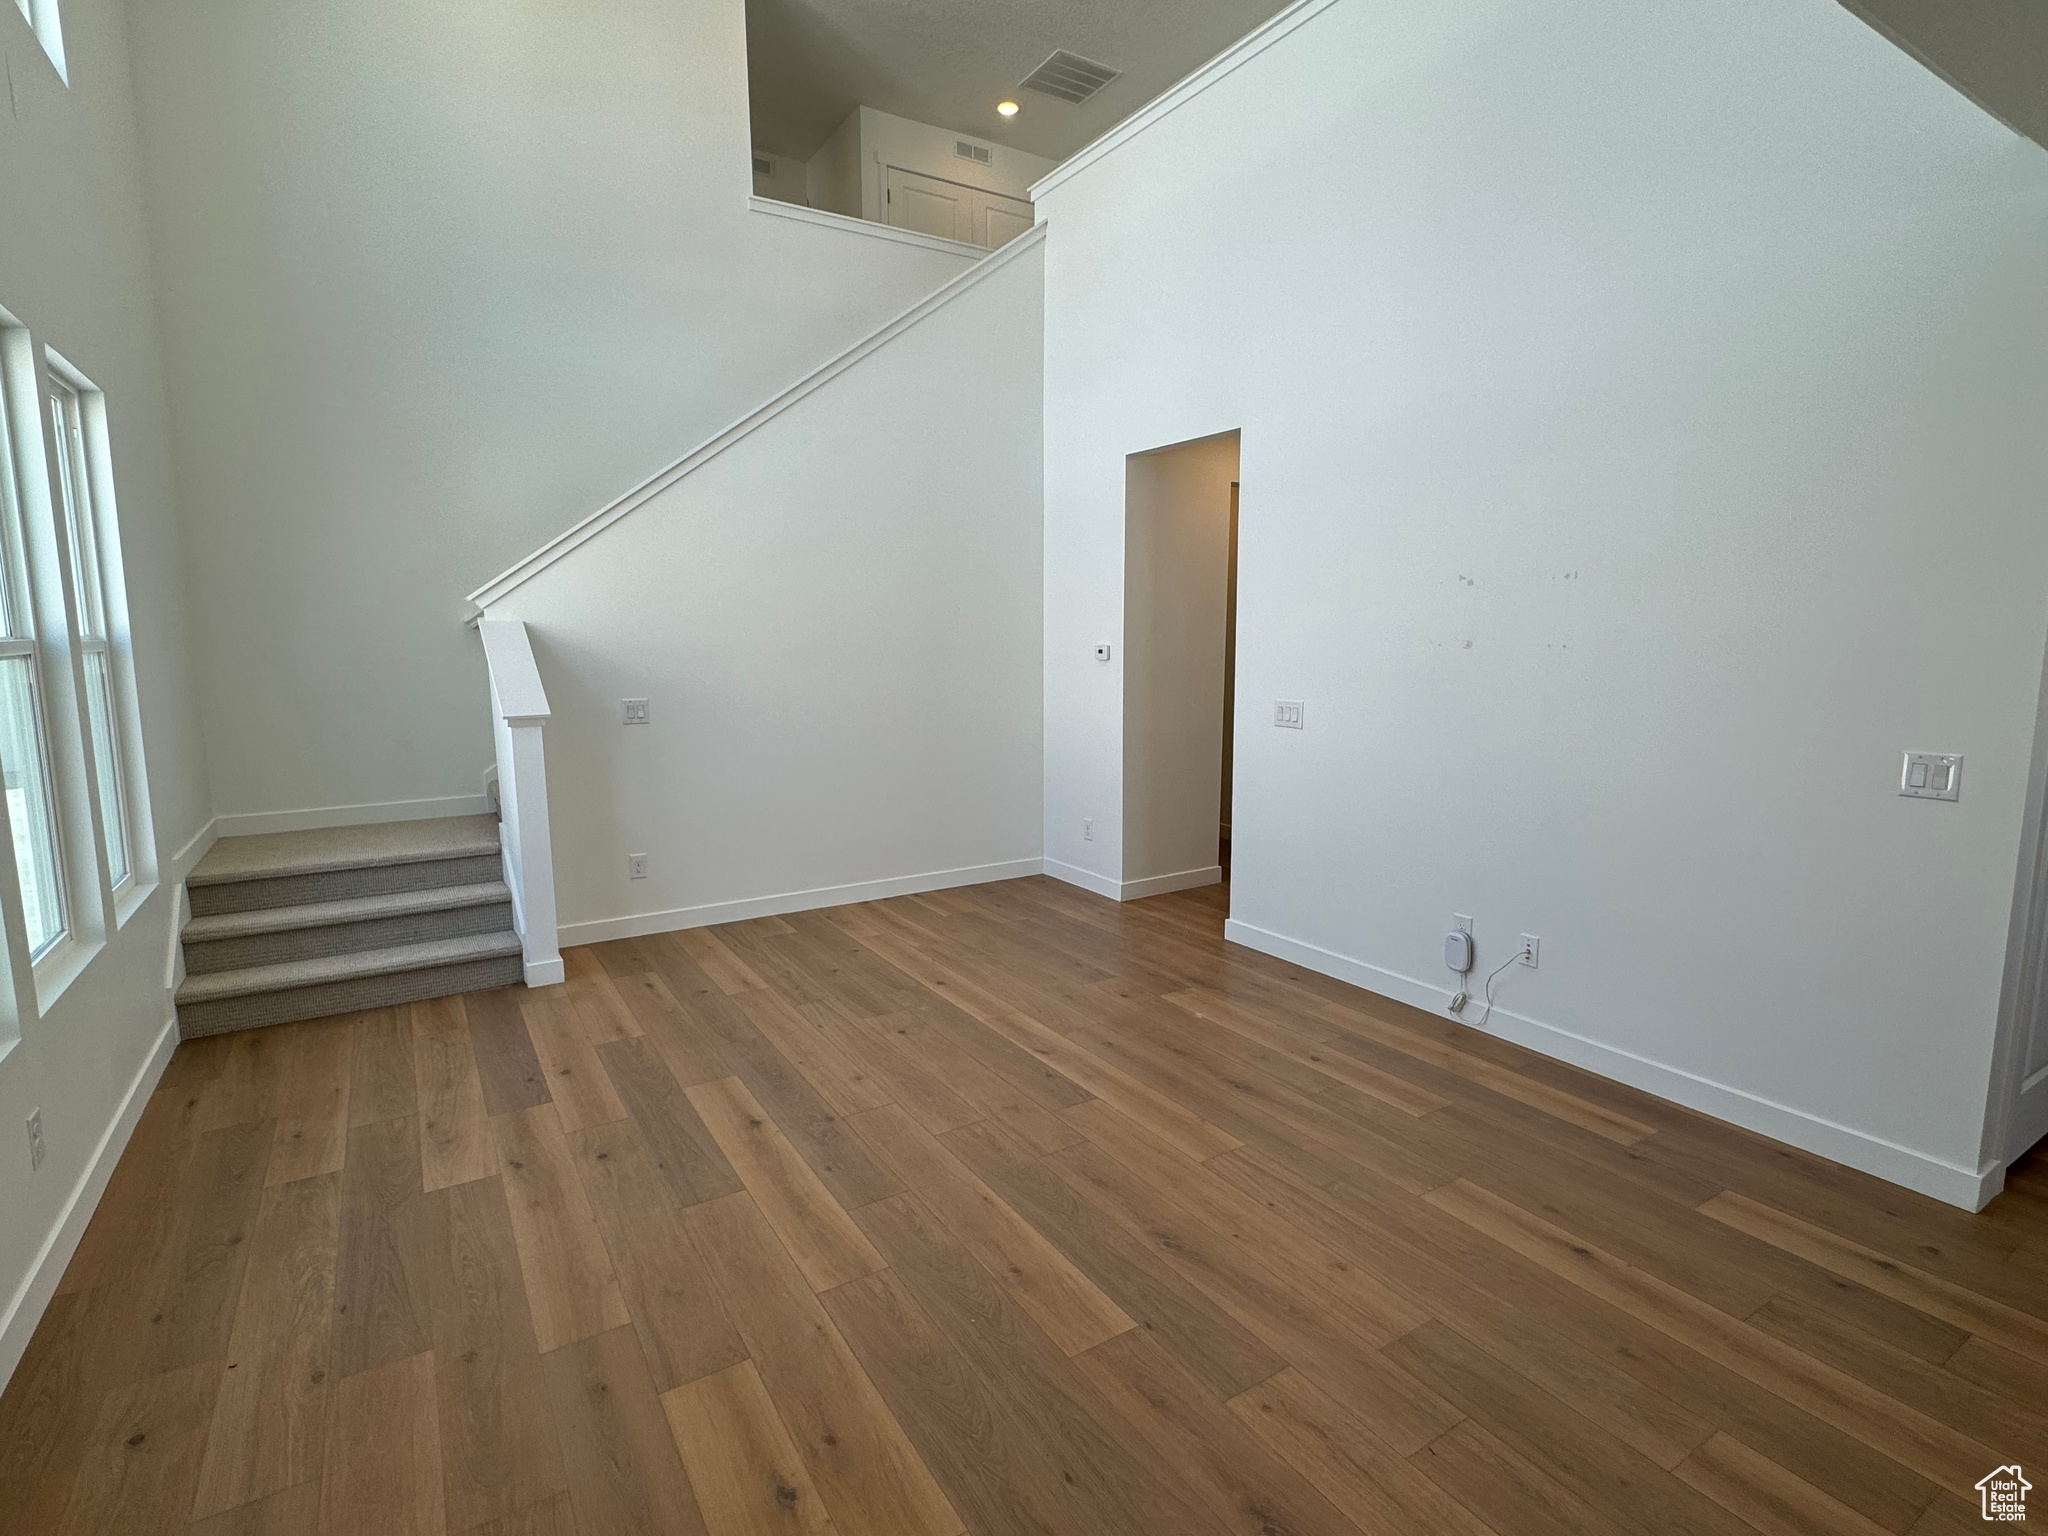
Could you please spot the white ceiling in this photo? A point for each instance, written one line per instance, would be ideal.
(810, 62)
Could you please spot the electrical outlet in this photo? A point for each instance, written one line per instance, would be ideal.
(35, 1140)
(636, 866)
(1532, 947)
(636, 711)
(1087, 829)
(1461, 922)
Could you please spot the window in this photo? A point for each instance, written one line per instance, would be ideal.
(70, 732)
(89, 593)
(42, 15)
(24, 736)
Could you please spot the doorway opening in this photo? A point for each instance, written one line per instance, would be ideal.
(1180, 664)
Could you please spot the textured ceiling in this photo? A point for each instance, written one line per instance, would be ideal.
(810, 62)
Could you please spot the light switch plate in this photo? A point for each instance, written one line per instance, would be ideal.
(1931, 776)
(1287, 714)
(636, 711)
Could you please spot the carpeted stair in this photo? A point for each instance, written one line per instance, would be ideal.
(298, 925)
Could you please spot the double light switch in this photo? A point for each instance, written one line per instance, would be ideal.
(1931, 776)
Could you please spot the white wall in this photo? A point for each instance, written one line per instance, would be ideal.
(1176, 588)
(832, 176)
(438, 281)
(838, 624)
(887, 140)
(74, 269)
(786, 181)
(1640, 451)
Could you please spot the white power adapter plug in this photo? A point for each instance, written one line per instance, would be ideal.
(1458, 957)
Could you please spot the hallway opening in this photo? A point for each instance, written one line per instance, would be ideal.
(1180, 573)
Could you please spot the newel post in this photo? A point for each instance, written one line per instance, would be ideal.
(519, 710)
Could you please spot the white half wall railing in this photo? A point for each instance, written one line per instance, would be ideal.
(519, 716)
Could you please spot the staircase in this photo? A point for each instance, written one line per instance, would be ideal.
(298, 925)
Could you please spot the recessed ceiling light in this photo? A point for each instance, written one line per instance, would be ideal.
(1007, 108)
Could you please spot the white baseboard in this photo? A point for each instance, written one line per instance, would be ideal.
(32, 1296)
(193, 851)
(243, 823)
(640, 924)
(546, 973)
(1133, 890)
(1159, 885)
(1087, 879)
(1952, 1183)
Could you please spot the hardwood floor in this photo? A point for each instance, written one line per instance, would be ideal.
(1010, 1211)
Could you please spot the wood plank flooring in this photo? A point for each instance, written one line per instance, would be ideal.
(1006, 1211)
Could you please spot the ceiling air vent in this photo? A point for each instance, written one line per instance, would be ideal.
(978, 153)
(1070, 77)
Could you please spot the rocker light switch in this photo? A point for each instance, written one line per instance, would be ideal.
(1931, 776)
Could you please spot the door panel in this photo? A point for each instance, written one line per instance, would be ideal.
(2027, 1113)
(933, 206)
(1004, 220)
(930, 206)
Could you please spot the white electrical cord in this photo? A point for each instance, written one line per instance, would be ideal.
(1488, 989)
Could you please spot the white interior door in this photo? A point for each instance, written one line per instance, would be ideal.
(2027, 1117)
(1003, 219)
(930, 206)
(2026, 1112)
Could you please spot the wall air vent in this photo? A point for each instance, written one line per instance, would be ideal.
(978, 153)
(1069, 77)
(763, 166)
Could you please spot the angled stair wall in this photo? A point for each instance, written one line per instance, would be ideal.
(835, 609)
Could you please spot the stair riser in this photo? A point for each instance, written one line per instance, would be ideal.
(259, 1009)
(341, 884)
(204, 956)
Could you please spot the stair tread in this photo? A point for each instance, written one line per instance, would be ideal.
(352, 909)
(268, 855)
(282, 977)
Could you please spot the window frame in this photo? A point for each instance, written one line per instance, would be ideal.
(45, 21)
(67, 617)
(114, 642)
(48, 25)
(28, 623)
(78, 431)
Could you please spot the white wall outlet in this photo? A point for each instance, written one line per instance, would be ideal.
(1102, 653)
(1532, 948)
(1931, 776)
(1287, 714)
(1461, 922)
(1087, 829)
(636, 711)
(636, 866)
(35, 1140)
